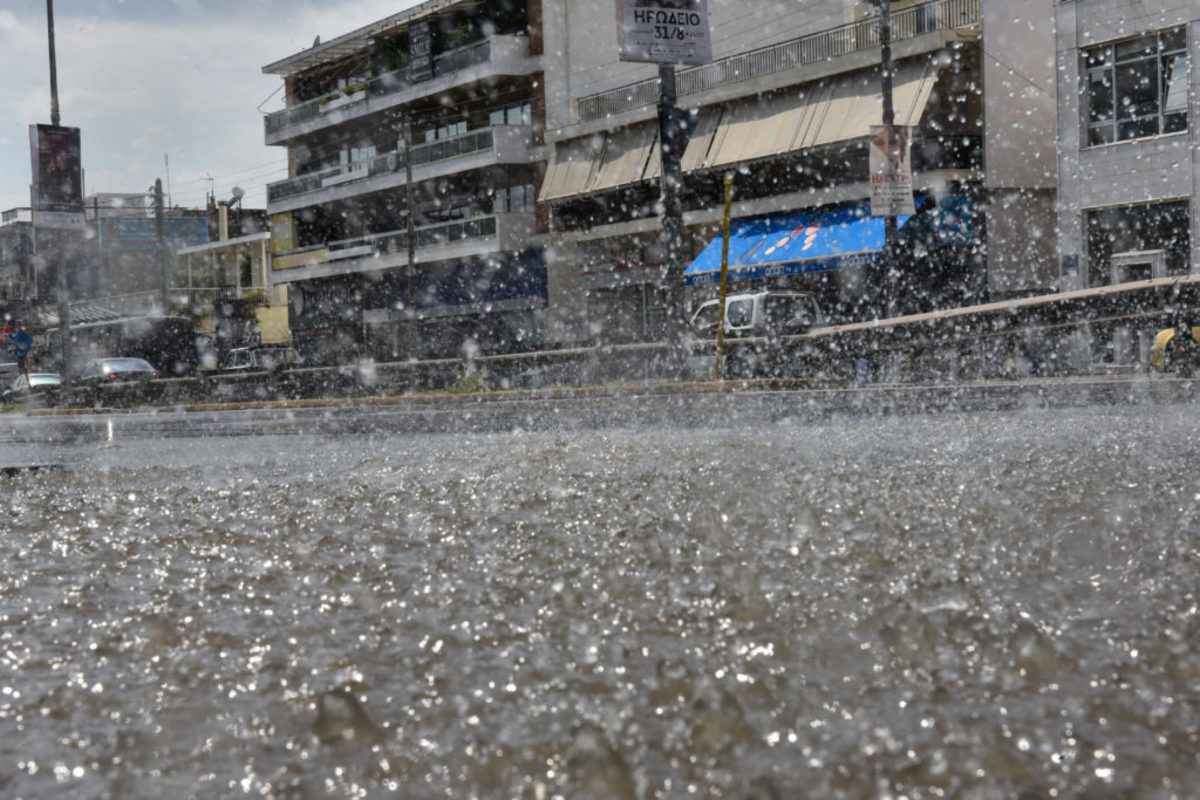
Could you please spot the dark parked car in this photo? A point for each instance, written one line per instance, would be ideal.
(37, 384)
(104, 370)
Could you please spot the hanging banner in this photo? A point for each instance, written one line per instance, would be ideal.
(891, 171)
(420, 52)
(664, 31)
(57, 188)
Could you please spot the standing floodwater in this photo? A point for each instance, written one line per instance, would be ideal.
(998, 605)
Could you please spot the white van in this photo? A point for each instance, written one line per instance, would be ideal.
(760, 314)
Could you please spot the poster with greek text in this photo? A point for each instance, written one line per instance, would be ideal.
(664, 31)
(891, 170)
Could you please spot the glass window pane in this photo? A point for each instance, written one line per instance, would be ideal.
(1137, 89)
(513, 115)
(1100, 96)
(1174, 40)
(1137, 48)
(1099, 57)
(739, 313)
(496, 117)
(1175, 76)
(1100, 134)
(1138, 128)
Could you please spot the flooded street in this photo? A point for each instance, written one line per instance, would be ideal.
(995, 605)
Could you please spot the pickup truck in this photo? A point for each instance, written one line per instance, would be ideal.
(260, 358)
(760, 314)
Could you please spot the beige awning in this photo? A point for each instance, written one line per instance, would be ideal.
(572, 168)
(835, 112)
(743, 131)
(626, 153)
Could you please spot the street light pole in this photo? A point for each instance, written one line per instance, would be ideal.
(54, 118)
(63, 286)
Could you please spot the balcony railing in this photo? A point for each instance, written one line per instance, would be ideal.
(424, 236)
(195, 300)
(444, 64)
(422, 154)
(14, 215)
(817, 47)
(483, 227)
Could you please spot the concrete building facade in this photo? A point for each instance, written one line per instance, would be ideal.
(787, 106)
(1129, 140)
(408, 226)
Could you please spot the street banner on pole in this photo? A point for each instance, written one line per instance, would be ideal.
(664, 31)
(891, 171)
(57, 188)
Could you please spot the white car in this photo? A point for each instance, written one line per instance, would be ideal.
(25, 387)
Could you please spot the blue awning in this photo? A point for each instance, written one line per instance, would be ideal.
(791, 244)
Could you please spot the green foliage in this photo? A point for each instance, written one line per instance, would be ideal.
(469, 383)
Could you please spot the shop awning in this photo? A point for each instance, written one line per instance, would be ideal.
(833, 112)
(572, 168)
(742, 131)
(791, 244)
(626, 153)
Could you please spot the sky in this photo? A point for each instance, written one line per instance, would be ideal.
(170, 89)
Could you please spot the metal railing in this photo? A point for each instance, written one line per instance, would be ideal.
(444, 64)
(862, 35)
(429, 153)
(424, 236)
(397, 241)
(195, 299)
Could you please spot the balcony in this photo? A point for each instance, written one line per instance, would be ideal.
(500, 144)
(477, 236)
(180, 299)
(908, 23)
(498, 55)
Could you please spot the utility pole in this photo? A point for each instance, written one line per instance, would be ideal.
(890, 278)
(672, 213)
(161, 251)
(410, 237)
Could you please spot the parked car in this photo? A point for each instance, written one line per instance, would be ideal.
(261, 357)
(104, 370)
(38, 384)
(1181, 357)
(760, 314)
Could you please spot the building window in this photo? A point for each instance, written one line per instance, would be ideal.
(1137, 88)
(516, 114)
(1138, 229)
(446, 131)
(514, 199)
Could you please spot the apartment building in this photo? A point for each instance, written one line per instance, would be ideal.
(786, 106)
(1129, 140)
(408, 226)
